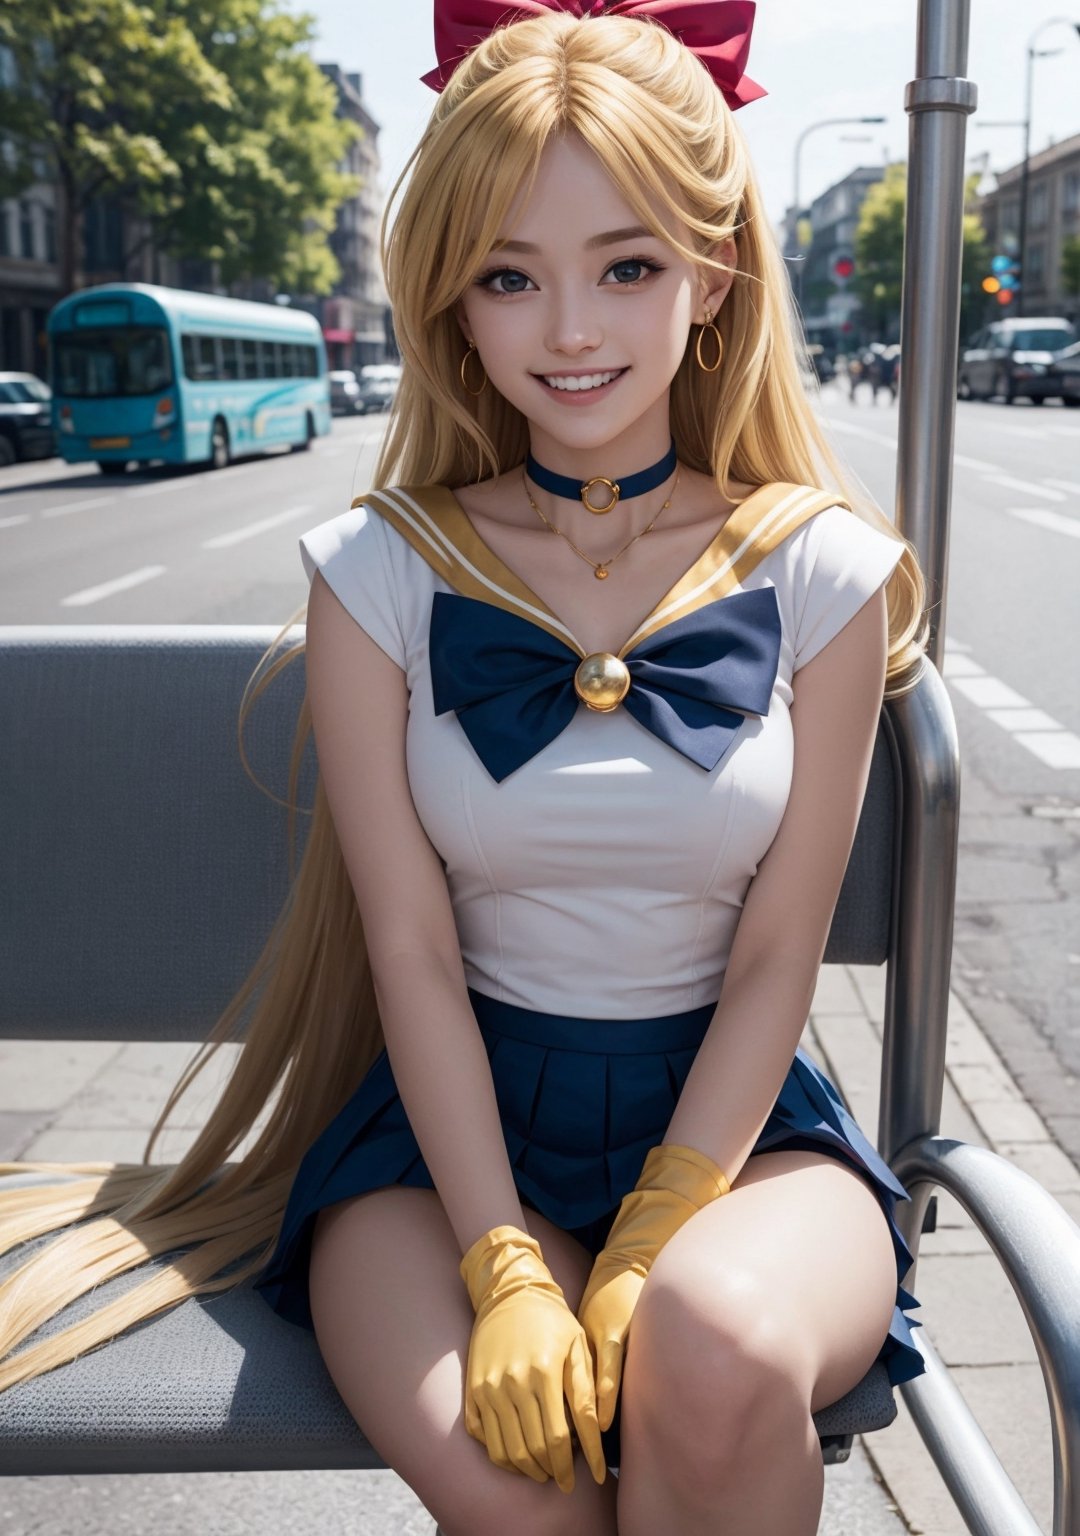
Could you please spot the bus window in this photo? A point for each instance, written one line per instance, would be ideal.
(310, 363)
(270, 364)
(249, 359)
(230, 358)
(206, 366)
(126, 361)
(289, 361)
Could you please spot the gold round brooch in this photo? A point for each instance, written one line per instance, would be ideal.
(602, 681)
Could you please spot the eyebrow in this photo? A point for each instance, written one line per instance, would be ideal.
(593, 243)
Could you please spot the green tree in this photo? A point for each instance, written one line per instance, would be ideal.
(879, 254)
(207, 118)
(1070, 264)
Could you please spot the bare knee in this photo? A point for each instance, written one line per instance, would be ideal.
(510, 1504)
(710, 1381)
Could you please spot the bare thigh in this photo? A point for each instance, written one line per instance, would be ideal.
(393, 1322)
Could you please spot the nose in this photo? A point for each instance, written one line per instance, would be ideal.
(573, 326)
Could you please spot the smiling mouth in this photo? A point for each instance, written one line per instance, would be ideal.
(579, 383)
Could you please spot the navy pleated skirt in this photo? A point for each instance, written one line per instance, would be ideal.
(581, 1102)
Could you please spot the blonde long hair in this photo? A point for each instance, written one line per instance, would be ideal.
(307, 1013)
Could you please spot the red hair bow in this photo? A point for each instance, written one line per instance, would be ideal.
(718, 31)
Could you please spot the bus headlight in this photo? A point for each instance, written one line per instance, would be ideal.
(66, 423)
(165, 411)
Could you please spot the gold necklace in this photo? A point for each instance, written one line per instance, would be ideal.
(600, 567)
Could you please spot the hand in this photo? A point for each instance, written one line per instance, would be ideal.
(526, 1352)
(675, 1182)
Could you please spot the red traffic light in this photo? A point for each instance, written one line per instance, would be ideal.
(843, 267)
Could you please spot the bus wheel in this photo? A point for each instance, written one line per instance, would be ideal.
(309, 435)
(112, 466)
(219, 445)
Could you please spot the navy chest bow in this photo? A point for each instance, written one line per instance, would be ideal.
(515, 687)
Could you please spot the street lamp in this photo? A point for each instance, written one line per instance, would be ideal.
(826, 122)
(1032, 54)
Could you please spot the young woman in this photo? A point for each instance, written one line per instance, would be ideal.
(594, 674)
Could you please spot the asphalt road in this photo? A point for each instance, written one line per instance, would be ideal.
(1012, 626)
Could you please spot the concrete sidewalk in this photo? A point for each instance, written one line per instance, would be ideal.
(68, 1102)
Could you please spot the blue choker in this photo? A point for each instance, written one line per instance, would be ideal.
(577, 490)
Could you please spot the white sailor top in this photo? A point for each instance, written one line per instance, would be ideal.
(604, 876)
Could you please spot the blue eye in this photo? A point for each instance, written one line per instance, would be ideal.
(633, 261)
(509, 273)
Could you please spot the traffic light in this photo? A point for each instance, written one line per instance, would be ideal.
(1002, 280)
(843, 267)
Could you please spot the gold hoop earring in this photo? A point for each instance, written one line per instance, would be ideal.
(710, 326)
(464, 382)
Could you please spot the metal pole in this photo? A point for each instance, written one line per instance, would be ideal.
(938, 102)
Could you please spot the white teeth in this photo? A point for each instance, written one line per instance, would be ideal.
(584, 381)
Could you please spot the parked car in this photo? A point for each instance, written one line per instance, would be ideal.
(344, 392)
(1014, 357)
(26, 430)
(378, 385)
(1066, 371)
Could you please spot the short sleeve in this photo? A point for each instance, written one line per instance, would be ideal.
(844, 562)
(350, 551)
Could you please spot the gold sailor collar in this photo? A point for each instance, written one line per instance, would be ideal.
(433, 521)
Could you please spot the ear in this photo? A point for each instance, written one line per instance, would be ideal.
(459, 316)
(715, 286)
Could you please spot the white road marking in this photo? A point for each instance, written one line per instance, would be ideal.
(854, 431)
(1057, 749)
(251, 530)
(1010, 431)
(108, 588)
(1042, 735)
(78, 506)
(1024, 719)
(961, 666)
(1043, 518)
(1027, 488)
(990, 693)
(1071, 486)
(14, 520)
(962, 461)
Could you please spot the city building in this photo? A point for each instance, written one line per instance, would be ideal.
(356, 317)
(1053, 217)
(830, 308)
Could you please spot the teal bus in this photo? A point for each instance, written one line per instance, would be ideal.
(146, 373)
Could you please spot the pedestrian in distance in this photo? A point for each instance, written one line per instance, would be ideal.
(595, 671)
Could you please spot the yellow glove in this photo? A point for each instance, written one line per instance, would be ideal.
(527, 1349)
(675, 1182)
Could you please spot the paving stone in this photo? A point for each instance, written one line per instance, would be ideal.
(850, 1052)
(104, 1144)
(907, 1469)
(1046, 1162)
(1003, 1121)
(45, 1074)
(835, 992)
(1010, 1405)
(983, 1080)
(855, 1502)
(956, 1120)
(869, 982)
(17, 1130)
(972, 1311)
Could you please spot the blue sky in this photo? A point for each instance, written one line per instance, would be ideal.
(817, 58)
